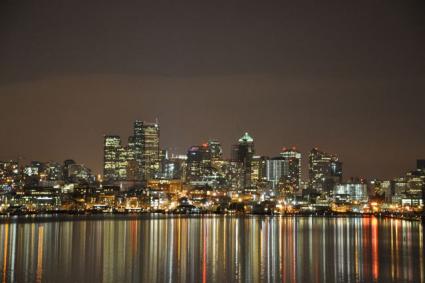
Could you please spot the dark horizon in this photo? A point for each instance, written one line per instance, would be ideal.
(344, 77)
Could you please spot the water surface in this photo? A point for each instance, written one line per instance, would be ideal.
(212, 249)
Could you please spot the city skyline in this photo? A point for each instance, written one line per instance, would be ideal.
(125, 150)
(99, 168)
(212, 141)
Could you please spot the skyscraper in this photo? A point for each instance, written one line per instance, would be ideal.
(242, 153)
(198, 162)
(135, 144)
(258, 169)
(145, 147)
(111, 157)
(325, 171)
(291, 175)
(274, 171)
(150, 150)
(122, 165)
(216, 150)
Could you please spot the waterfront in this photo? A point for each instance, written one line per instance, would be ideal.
(211, 249)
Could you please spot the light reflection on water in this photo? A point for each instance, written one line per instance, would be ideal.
(213, 249)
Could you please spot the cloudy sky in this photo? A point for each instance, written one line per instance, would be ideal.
(345, 76)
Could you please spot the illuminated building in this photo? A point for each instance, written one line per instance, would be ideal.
(231, 171)
(169, 186)
(135, 143)
(408, 190)
(33, 172)
(291, 175)
(139, 160)
(131, 166)
(198, 163)
(111, 158)
(79, 173)
(325, 171)
(163, 157)
(350, 192)
(258, 169)
(122, 164)
(242, 153)
(216, 150)
(10, 174)
(150, 150)
(274, 170)
(285, 170)
(65, 167)
(34, 168)
(175, 167)
(145, 146)
(54, 171)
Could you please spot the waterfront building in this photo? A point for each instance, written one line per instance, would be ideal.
(408, 189)
(351, 192)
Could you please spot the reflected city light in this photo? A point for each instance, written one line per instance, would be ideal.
(214, 248)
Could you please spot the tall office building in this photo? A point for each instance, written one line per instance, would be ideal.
(135, 144)
(175, 167)
(132, 165)
(242, 153)
(198, 163)
(145, 147)
(274, 170)
(291, 175)
(123, 162)
(258, 169)
(216, 150)
(325, 171)
(139, 160)
(111, 157)
(150, 150)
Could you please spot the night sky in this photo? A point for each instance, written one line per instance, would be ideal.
(346, 77)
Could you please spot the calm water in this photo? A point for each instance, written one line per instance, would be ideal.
(212, 249)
